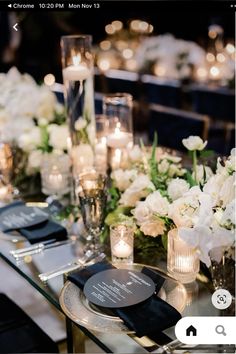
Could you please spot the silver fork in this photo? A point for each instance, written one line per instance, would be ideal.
(89, 258)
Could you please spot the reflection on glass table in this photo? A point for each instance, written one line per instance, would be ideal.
(197, 296)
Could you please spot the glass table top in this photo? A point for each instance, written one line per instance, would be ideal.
(198, 301)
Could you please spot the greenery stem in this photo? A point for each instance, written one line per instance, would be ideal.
(195, 165)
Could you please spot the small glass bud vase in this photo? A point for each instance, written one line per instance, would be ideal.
(182, 260)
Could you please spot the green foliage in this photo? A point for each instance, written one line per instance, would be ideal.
(148, 248)
(113, 198)
(120, 214)
(153, 163)
(191, 181)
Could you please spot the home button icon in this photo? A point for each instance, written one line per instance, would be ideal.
(191, 331)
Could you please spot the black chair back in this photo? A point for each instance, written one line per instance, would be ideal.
(217, 103)
(123, 81)
(163, 92)
(173, 125)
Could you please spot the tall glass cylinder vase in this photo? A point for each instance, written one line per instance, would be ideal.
(182, 260)
(77, 64)
(118, 110)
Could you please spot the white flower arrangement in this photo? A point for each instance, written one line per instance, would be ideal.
(172, 57)
(31, 118)
(156, 200)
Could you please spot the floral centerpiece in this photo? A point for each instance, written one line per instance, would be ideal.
(157, 194)
(32, 120)
(169, 57)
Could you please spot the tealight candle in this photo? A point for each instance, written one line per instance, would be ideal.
(119, 139)
(122, 249)
(55, 179)
(122, 239)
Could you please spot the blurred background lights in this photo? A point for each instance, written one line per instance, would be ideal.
(127, 53)
(118, 25)
(202, 73)
(214, 71)
(210, 57)
(110, 29)
(105, 45)
(220, 58)
(230, 48)
(49, 79)
(103, 64)
(131, 64)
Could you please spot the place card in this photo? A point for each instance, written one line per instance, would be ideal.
(116, 288)
(20, 217)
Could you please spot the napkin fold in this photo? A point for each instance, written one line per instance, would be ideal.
(150, 316)
(47, 230)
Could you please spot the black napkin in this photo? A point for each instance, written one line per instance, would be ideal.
(151, 316)
(47, 230)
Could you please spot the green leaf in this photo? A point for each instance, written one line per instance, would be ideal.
(164, 239)
(206, 153)
(191, 181)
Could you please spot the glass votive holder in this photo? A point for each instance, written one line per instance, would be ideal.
(55, 175)
(100, 148)
(182, 260)
(122, 243)
(118, 110)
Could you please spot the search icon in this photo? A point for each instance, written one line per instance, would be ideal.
(220, 330)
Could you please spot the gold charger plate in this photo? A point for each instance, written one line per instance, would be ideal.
(81, 311)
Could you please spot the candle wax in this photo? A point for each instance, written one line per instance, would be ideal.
(122, 249)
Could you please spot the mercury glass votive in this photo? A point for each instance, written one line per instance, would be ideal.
(122, 243)
(182, 260)
(6, 161)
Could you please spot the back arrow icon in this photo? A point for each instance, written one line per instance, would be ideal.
(16, 29)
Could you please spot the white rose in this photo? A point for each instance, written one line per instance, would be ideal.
(153, 227)
(177, 187)
(29, 141)
(58, 136)
(194, 208)
(142, 213)
(227, 191)
(157, 204)
(123, 178)
(194, 143)
(80, 124)
(203, 171)
(138, 189)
